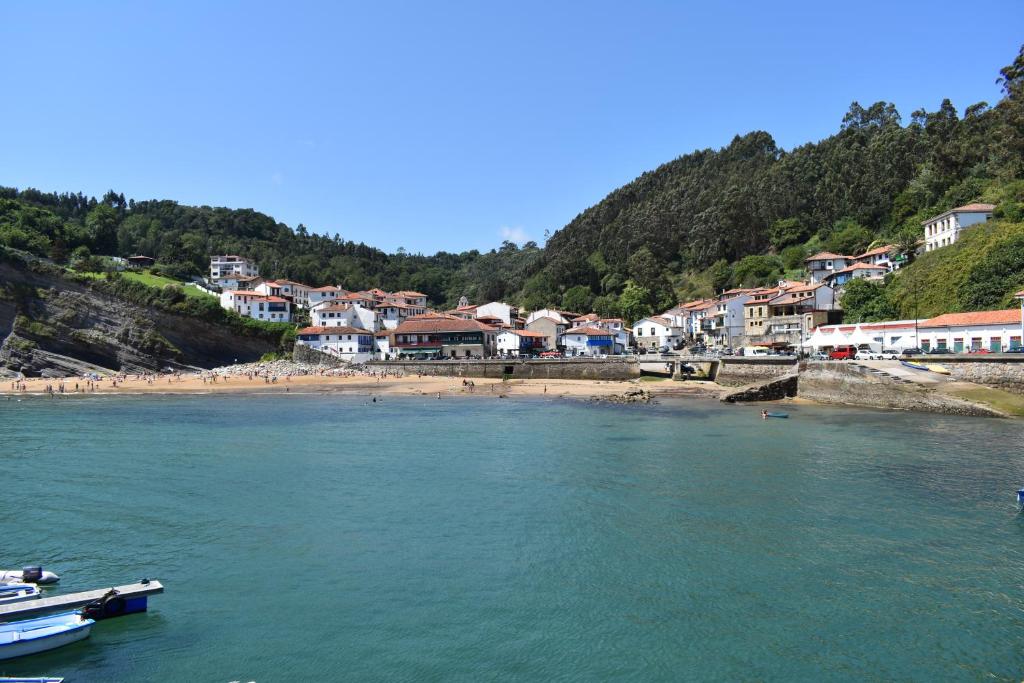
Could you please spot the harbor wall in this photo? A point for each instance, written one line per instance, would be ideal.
(849, 384)
(1003, 371)
(564, 368)
(737, 371)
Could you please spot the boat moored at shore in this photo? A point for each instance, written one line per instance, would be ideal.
(28, 637)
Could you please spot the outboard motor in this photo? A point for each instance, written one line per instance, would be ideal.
(31, 574)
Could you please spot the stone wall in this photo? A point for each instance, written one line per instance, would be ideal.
(773, 390)
(567, 368)
(738, 371)
(999, 371)
(844, 383)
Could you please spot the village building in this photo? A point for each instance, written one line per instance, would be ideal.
(944, 229)
(382, 340)
(409, 298)
(340, 314)
(517, 343)
(889, 335)
(319, 295)
(351, 344)
(507, 313)
(439, 335)
(257, 306)
(856, 271)
(588, 341)
(552, 328)
(824, 263)
(992, 331)
(140, 261)
(880, 256)
(655, 332)
(295, 292)
(230, 264)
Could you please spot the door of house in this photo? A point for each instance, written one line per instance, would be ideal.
(994, 345)
(958, 345)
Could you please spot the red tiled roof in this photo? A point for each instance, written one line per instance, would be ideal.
(409, 293)
(589, 331)
(328, 288)
(974, 207)
(332, 330)
(1019, 294)
(256, 295)
(1007, 316)
(857, 266)
(825, 255)
(525, 333)
(440, 323)
(877, 250)
(585, 318)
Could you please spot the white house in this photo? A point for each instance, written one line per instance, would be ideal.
(295, 292)
(317, 295)
(561, 317)
(498, 309)
(960, 332)
(236, 282)
(521, 342)
(343, 315)
(856, 271)
(409, 298)
(382, 344)
(824, 263)
(944, 229)
(392, 313)
(880, 256)
(588, 341)
(257, 306)
(348, 343)
(230, 264)
(654, 332)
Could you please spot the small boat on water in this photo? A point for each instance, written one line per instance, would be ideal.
(782, 415)
(40, 679)
(1020, 499)
(33, 574)
(16, 592)
(20, 638)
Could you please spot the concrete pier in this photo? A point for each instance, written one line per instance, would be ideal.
(70, 601)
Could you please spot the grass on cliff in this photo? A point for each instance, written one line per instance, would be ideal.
(149, 279)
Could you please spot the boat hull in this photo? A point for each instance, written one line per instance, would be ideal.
(32, 636)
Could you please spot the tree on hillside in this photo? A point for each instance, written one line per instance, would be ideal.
(865, 301)
(578, 298)
(848, 237)
(757, 271)
(634, 302)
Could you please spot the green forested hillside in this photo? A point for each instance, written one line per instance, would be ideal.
(743, 215)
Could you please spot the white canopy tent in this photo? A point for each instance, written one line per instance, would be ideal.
(860, 338)
(836, 338)
(814, 341)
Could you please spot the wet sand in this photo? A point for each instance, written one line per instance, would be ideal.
(408, 385)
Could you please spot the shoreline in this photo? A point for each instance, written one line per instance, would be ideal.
(364, 385)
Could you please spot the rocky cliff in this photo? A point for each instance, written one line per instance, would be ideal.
(52, 326)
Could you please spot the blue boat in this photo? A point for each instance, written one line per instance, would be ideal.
(20, 638)
(1020, 499)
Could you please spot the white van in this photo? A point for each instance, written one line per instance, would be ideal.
(754, 351)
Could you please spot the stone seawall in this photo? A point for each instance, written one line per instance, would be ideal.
(1002, 371)
(567, 368)
(739, 371)
(843, 383)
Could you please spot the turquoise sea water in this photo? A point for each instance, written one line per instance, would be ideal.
(327, 538)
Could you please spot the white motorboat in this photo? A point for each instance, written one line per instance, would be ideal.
(28, 575)
(20, 638)
(16, 592)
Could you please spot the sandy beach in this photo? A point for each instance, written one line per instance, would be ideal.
(361, 384)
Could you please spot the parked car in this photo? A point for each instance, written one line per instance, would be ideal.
(820, 355)
(979, 351)
(884, 354)
(939, 350)
(551, 354)
(1014, 349)
(698, 349)
(912, 351)
(843, 353)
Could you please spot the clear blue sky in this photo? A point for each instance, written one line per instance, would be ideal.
(446, 125)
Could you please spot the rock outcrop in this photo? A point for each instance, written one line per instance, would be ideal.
(775, 390)
(51, 326)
